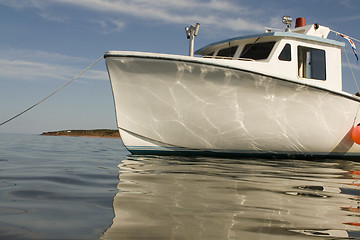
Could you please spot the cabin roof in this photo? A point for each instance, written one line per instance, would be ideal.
(275, 34)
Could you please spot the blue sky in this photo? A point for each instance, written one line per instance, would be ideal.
(45, 43)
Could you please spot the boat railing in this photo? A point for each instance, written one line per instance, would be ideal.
(228, 58)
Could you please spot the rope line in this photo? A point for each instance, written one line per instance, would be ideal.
(344, 35)
(57, 90)
(352, 72)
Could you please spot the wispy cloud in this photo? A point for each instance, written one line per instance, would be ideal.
(348, 18)
(109, 26)
(224, 13)
(213, 12)
(33, 55)
(351, 64)
(34, 71)
(54, 17)
(19, 4)
(26, 65)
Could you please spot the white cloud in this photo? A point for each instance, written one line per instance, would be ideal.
(22, 3)
(26, 65)
(54, 17)
(108, 26)
(22, 70)
(351, 64)
(182, 11)
(347, 19)
(209, 12)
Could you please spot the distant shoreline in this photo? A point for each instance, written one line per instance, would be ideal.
(104, 133)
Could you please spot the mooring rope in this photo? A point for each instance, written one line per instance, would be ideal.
(57, 90)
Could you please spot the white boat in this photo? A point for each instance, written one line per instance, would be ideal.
(271, 94)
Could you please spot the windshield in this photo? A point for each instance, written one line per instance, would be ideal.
(257, 51)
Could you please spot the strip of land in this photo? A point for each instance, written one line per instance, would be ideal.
(105, 133)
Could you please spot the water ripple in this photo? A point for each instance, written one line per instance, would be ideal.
(208, 198)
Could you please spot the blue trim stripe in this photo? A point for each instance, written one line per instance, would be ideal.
(175, 151)
(276, 34)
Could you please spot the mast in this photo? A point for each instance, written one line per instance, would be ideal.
(191, 32)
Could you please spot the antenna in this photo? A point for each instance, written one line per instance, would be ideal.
(191, 32)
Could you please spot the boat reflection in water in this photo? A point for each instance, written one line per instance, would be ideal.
(209, 198)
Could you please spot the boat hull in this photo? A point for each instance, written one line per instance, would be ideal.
(169, 105)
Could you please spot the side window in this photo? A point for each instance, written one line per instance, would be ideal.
(227, 52)
(257, 51)
(285, 54)
(311, 63)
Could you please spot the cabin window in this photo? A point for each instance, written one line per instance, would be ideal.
(285, 54)
(257, 51)
(227, 52)
(311, 63)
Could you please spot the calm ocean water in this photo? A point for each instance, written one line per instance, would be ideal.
(91, 188)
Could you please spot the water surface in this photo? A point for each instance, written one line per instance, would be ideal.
(91, 188)
(209, 198)
(57, 187)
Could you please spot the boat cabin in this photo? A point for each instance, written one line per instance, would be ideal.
(303, 54)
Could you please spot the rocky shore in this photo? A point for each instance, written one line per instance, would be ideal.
(106, 133)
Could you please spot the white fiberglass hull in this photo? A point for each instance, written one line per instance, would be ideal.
(168, 104)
